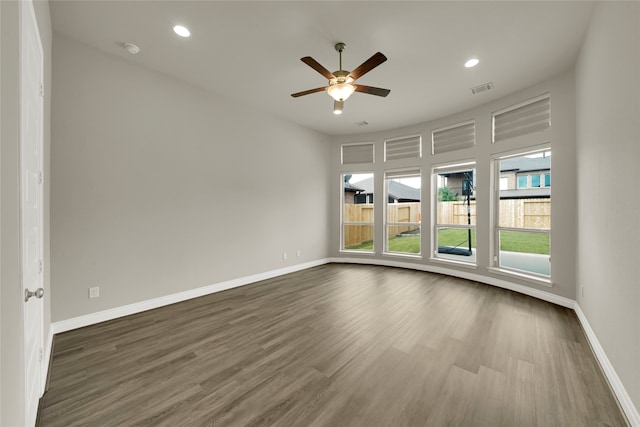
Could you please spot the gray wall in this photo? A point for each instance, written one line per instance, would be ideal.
(11, 366)
(608, 152)
(159, 187)
(562, 139)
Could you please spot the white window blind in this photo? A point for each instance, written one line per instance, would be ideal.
(533, 116)
(408, 147)
(357, 153)
(453, 138)
(407, 173)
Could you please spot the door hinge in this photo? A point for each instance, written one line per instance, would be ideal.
(40, 266)
(41, 90)
(41, 356)
(40, 177)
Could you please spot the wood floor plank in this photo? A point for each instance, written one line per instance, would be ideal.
(334, 345)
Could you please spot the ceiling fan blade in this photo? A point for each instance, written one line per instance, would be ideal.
(368, 65)
(372, 90)
(308, 92)
(316, 66)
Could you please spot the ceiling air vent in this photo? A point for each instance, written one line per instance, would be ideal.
(482, 88)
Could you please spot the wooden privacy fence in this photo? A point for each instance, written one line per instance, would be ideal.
(525, 213)
(402, 212)
(397, 212)
(514, 213)
(356, 234)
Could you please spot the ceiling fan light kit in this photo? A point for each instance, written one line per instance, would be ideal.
(341, 85)
(341, 91)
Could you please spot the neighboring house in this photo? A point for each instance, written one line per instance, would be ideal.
(454, 181)
(351, 192)
(398, 192)
(525, 177)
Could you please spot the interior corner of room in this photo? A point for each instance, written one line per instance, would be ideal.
(157, 189)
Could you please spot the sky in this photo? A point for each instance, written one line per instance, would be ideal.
(411, 182)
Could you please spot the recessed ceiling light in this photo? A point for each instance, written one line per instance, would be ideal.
(471, 63)
(181, 31)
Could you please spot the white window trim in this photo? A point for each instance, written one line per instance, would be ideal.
(494, 217)
(459, 166)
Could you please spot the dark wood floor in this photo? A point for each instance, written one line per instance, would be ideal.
(336, 345)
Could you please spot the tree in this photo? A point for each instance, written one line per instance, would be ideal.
(445, 194)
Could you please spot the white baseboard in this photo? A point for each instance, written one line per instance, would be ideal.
(633, 416)
(48, 349)
(126, 310)
(469, 275)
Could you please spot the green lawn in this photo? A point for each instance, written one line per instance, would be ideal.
(520, 241)
(513, 241)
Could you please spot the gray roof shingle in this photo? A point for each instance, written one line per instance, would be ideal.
(397, 190)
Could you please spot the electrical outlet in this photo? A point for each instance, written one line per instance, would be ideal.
(284, 255)
(94, 292)
(298, 252)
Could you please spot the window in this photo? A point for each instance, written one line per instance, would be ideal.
(357, 212)
(403, 211)
(523, 181)
(451, 138)
(504, 183)
(454, 235)
(522, 119)
(408, 147)
(523, 217)
(535, 180)
(357, 153)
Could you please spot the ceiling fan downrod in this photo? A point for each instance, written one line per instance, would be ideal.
(340, 48)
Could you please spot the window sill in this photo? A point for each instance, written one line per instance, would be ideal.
(538, 280)
(401, 255)
(454, 262)
(356, 252)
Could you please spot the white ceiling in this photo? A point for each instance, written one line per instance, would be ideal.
(251, 51)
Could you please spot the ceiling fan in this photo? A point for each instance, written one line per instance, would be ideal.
(341, 84)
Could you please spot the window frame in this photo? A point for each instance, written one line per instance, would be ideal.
(386, 204)
(456, 166)
(494, 244)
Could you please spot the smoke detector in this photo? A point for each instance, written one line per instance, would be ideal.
(131, 48)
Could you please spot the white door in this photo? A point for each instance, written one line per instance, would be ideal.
(31, 148)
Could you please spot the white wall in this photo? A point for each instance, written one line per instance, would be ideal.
(608, 156)
(159, 187)
(11, 300)
(562, 139)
